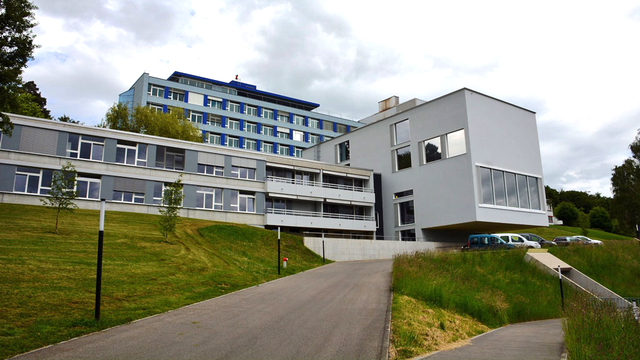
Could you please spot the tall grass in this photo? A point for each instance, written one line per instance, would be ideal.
(616, 264)
(597, 330)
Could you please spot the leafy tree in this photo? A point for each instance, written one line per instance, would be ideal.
(67, 119)
(171, 202)
(567, 212)
(599, 219)
(16, 48)
(63, 191)
(625, 183)
(145, 120)
(30, 87)
(583, 223)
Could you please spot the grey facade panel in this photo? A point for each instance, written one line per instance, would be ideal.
(260, 202)
(226, 199)
(39, 141)
(148, 193)
(110, 148)
(12, 142)
(63, 139)
(151, 155)
(7, 173)
(106, 187)
(131, 185)
(227, 166)
(191, 161)
(261, 170)
(210, 159)
(189, 192)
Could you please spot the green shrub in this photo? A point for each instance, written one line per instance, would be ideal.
(599, 219)
(567, 212)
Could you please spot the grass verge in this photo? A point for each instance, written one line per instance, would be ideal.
(47, 281)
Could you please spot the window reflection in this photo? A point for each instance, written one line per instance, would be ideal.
(402, 132)
(456, 144)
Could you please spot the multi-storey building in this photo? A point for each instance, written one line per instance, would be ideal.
(462, 163)
(238, 115)
(220, 183)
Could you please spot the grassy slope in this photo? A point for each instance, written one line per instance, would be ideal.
(494, 288)
(553, 231)
(47, 281)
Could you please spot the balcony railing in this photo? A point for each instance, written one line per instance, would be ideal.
(318, 214)
(318, 184)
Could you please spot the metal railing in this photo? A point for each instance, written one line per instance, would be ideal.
(318, 184)
(318, 214)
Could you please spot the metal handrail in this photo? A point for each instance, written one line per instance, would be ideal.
(318, 184)
(318, 214)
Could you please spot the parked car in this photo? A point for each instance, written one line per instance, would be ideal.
(486, 242)
(566, 240)
(588, 241)
(517, 240)
(536, 238)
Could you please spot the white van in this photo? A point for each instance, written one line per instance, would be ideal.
(517, 240)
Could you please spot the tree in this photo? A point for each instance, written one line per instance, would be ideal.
(30, 87)
(625, 184)
(63, 184)
(16, 49)
(67, 119)
(148, 121)
(171, 202)
(567, 212)
(599, 219)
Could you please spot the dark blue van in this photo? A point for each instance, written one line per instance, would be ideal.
(486, 242)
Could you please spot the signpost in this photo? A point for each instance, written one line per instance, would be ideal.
(561, 294)
(99, 274)
(278, 250)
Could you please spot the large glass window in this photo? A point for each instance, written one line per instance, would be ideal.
(406, 214)
(498, 187)
(157, 108)
(314, 139)
(297, 152)
(32, 181)
(169, 159)
(194, 116)
(177, 95)
(267, 130)
(512, 189)
(131, 154)
(243, 173)
(251, 127)
(215, 121)
(344, 153)
(234, 107)
(402, 131)
(403, 158)
(314, 123)
(533, 191)
(251, 110)
(127, 196)
(208, 198)
(88, 188)
(267, 114)
(233, 142)
(215, 139)
(298, 120)
(504, 188)
(242, 201)
(154, 90)
(210, 170)
(283, 117)
(456, 144)
(85, 147)
(267, 147)
(432, 150)
(215, 103)
(283, 149)
(250, 144)
(341, 128)
(523, 194)
(408, 235)
(233, 124)
(283, 133)
(487, 186)
(327, 125)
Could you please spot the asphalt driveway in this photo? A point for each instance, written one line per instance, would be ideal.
(338, 311)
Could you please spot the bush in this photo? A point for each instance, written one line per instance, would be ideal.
(600, 219)
(567, 212)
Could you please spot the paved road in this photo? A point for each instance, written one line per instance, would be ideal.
(338, 311)
(530, 340)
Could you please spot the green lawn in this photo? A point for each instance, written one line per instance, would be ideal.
(554, 231)
(47, 281)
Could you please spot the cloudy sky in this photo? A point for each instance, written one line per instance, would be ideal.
(576, 63)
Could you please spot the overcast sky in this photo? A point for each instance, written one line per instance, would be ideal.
(575, 63)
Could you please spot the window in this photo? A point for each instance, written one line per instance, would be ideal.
(403, 158)
(177, 95)
(250, 144)
(88, 188)
(408, 235)
(158, 190)
(169, 159)
(85, 147)
(154, 90)
(215, 121)
(327, 125)
(406, 213)
(343, 152)
(279, 205)
(456, 144)
(283, 117)
(210, 170)
(298, 120)
(251, 127)
(432, 150)
(243, 173)
(504, 188)
(251, 110)
(267, 130)
(215, 139)
(233, 142)
(283, 150)
(283, 133)
(267, 114)
(341, 128)
(194, 116)
(242, 202)
(298, 135)
(157, 108)
(126, 196)
(131, 154)
(402, 132)
(314, 139)
(214, 103)
(234, 107)
(314, 123)
(267, 147)
(233, 124)
(401, 194)
(208, 198)
(297, 152)
(32, 181)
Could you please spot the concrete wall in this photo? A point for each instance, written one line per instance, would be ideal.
(351, 250)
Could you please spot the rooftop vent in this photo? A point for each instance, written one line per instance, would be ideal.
(388, 103)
